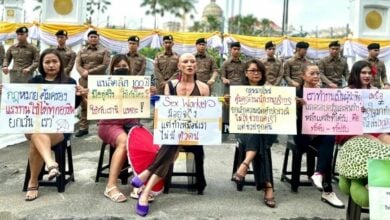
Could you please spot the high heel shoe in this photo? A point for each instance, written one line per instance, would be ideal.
(142, 210)
(137, 182)
(270, 202)
(240, 179)
(53, 172)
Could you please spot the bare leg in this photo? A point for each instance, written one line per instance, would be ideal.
(143, 199)
(242, 169)
(384, 138)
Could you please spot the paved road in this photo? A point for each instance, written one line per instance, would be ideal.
(84, 198)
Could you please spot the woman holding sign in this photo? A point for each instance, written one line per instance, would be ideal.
(322, 178)
(187, 85)
(256, 144)
(51, 68)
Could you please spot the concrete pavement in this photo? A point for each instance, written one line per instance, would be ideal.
(84, 198)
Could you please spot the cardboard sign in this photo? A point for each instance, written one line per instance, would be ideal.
(115, 97)
(37, 108)
(188, 120)
(379, 189)
(376, 115)
(332, 111)
(262, 110)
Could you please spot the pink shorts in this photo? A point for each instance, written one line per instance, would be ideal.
(109, 133)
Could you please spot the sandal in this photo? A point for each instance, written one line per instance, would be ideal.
(53, 172)
(270, 202)
(31, 189)
(115, 197)
(136, 192)
(240, 179)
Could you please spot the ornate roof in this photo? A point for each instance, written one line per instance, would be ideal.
(212, 9)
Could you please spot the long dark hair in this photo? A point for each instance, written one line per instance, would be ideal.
(354, 78)
(117, 59)
(260, 67)
(61, 77)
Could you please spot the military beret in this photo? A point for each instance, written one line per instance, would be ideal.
(62, 33)
(334, 44)
(235, 44)
(201, 41)
(167, 37)
(373, 46)
(302, 45)
(269, 44)
(22, 30)
(93, 32)
(133, 38)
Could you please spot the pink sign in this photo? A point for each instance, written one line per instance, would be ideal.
(332, 112)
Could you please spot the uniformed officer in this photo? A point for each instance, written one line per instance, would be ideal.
(91, 60)
(2, 53)
(378, 69)
(25, 57)
(293, 66)
(206, 68)
(165, 64)
(333, 67)
(232, 69)
(273, 65)
(137, 61)
(67, 54)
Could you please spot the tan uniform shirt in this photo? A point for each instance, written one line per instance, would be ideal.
(293, 68)
(137, 64)
(333, 70)
(274, 69)
(165, 68)
(69, 58)
(2, 54)
(25, 56)
(380, 78)
(205, 67)
(233, 70)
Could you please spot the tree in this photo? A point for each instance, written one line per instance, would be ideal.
(213, 24)
(197, 27)
(178, 8)
(96, 6)
(243, 25)
(265, 26)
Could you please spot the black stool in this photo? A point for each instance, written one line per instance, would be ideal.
(61, 150)
(335, 174)
(194, 171)
(124, 174)
(296, 171)
(354, 210)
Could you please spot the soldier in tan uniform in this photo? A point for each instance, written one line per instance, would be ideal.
(293, 66)
(165, 64)
(333, 67)
(273, 65)
(67, 54)
(2, 53)
(206, 68)
(91, 60)
(137, 61)
(25, 57)
(232, 69)
(378, 68)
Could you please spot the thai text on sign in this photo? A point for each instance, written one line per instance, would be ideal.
(188, 120)
(115, 97)
(376, 114)
(332, 111)
(262, 110)
(37, 108)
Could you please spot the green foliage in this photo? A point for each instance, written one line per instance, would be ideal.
(149, 52)
(214, 53)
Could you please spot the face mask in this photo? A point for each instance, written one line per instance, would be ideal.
(121, 71)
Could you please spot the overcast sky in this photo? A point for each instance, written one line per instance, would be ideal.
(308, 13)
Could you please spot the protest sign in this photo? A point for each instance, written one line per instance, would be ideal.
(37, 108)
(379, 189)
(376, 114)
(115, 97)
(262, 110)
(187, 120)
(332, 111)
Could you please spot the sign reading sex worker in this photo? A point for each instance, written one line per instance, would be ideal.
(188, 120)
(262, 110)
(376, 114)
(37, 108)
(115, 97)
(332, 111)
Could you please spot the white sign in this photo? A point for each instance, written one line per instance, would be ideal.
(37, 108)
(376, 115)
(188, 120)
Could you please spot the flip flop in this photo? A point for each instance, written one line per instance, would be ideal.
(29, 189)
(136, 192)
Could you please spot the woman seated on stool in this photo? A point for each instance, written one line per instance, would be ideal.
(186, 86)
(112, 132)
(256, 144)
(322, 178)
(357, 150)
(51, 68)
